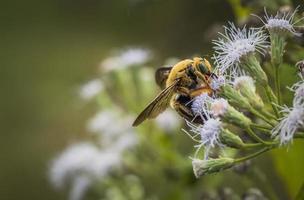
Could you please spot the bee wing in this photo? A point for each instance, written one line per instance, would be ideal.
(158, 105)
(161, 76)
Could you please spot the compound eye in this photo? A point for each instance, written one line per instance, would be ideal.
(202, 68)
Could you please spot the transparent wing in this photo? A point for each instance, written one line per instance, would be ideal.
(158, 105)
(161, 76)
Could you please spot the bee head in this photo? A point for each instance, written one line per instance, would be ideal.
(202, 65)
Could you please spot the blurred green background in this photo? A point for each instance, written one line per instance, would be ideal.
(49, 48)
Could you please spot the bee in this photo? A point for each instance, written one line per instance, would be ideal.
(181, 83)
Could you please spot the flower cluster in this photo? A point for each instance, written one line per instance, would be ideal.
(84, 163)
(125, 58)
(293, 118)
(236, 102)
(235, 45)
(281, 23)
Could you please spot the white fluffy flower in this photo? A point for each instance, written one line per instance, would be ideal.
(200, 105)
(209, 134)
(104, 122)
(210, 131)
(125, 58)
(219, 107)
(125, 141)
(110, 124)
(289, 124)
(83, 159)
(298, 89)
(235, 44)
(83, 163)
(217, 82)
(239, 82)
(281, 22)
(79, 187)
(168, 120)
(91, 89)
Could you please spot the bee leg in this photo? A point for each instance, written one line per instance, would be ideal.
(202, 77)
(183, 91)
(182, 110)
(199, 91)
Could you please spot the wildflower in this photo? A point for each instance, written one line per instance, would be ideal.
(209, 134)
(168, 120)
(281, 23)
(80, 164)
(241, 81)
(298, 89)
(109, 124)
(200, 105)
(235, 46)
(210, 131)
(231, 140)
(279, 27)
(234, 97)
(289, 124)
(202, 167)
(217, 82)
(91, 89)
(221, 108)
(125, 58)
(245, 85)
(126, 140)
(79, 187)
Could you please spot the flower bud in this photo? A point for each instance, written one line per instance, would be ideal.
(245, 85)
(252, 65)
(230, 139)
(234, 97)
(221, 108)
(202, 167)
(280, 26)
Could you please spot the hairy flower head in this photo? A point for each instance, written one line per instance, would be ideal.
(219, 107)
(168, 121)
(235, 44)
(83, 159)
(200, 105)
(125, 58)
(91, 89)
(289, 124)
(210, 131)
(298, 89)
(209, 134)
(239, 82)
(217, 82)
(282, 23)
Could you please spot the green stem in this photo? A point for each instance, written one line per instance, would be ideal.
(252, 145)
(257, 138)
(256, 113)
(261, 128)
(267, 114)
(277, 84)
(272, 99)
(238, 160)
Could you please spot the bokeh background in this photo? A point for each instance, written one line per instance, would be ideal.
(51, 48)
